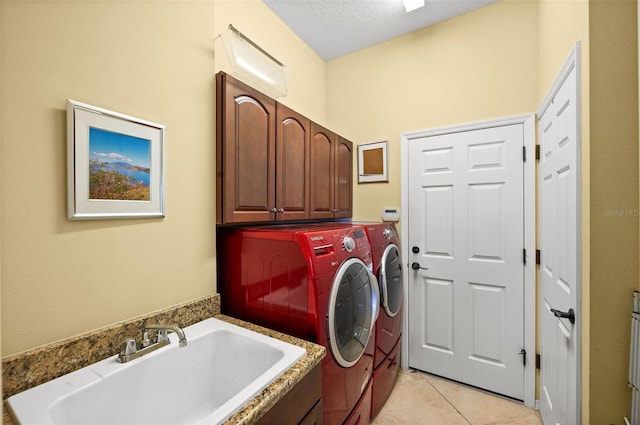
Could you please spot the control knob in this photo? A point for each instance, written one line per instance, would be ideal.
(349, 243)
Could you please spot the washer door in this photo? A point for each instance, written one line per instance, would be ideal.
(391, 280)
(353, 310)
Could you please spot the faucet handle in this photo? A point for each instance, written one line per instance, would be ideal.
(145, 339)
(162, 335)
(128, 347)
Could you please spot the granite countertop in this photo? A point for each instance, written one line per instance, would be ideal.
(261, 403)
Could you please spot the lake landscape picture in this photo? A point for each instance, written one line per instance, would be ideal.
(119, 166)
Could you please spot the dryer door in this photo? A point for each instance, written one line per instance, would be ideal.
(391, 280)
(353, 310)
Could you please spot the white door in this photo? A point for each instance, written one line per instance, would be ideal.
(466, 233)
(559, 245)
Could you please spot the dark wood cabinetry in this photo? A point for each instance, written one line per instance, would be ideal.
(331, 174)
(246, 174)
(292, 164)
(343, 178)
(302, 405)
(275, 164)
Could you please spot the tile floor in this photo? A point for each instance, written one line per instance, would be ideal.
(422, 399)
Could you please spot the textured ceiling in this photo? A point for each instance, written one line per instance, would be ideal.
(333, 28)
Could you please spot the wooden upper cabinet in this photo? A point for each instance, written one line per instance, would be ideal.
(292, 164)
(246, 123)
(322, 169)
(331, 174)
(344, 178)
(275, 164)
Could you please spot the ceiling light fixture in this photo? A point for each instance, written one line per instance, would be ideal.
(410, 5)
(253, 64)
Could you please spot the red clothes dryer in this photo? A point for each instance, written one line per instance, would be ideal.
(315, 282)
(387, 266)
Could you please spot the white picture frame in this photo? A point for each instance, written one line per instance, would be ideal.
(373, 163)
(115, 165)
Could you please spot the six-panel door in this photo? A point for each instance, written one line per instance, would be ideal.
(466, 294)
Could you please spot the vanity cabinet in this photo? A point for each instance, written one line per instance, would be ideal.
(331, 174)
(274, 164)
(302, 405)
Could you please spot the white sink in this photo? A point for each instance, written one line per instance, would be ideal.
(221, 369)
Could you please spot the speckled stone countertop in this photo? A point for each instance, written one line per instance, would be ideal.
(34, 367)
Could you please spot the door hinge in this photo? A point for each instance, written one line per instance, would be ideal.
(524, 256)
(524, 154)
(538, 361)
(538, 256)
(523, 353)
(537, 152)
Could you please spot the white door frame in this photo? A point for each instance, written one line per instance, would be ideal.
(528, 122)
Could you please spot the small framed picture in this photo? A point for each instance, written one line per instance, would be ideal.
(372, 163)
(115, 165)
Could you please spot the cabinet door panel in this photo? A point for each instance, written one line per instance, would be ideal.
(344, 177)
(322, 172)
(292, 164)
(246, 153)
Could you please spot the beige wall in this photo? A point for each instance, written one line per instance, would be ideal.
(155, 60)
(1, 139)
(614, 187)
(463, 70)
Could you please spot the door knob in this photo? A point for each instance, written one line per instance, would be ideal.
(416, 266)
(571, 315)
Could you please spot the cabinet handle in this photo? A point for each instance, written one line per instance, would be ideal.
(280, 210)
(273, 210)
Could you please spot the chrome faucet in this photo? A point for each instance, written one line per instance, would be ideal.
(162, 333)
(130, 350)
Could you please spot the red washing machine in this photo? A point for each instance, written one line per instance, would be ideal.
(315, 282)
(387, 266)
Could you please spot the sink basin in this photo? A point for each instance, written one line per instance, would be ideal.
(221, 369)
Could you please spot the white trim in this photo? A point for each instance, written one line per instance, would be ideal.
(530, 293)
(528, 123)
(472, 126)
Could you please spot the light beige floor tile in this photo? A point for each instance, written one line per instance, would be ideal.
(415, 401)
(481, 408)
(531, 419)
(422, 399)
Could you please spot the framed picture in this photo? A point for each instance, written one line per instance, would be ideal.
(115, 165)
(372, 163)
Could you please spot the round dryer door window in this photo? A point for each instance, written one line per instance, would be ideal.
(391, 280)
(353, 309)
